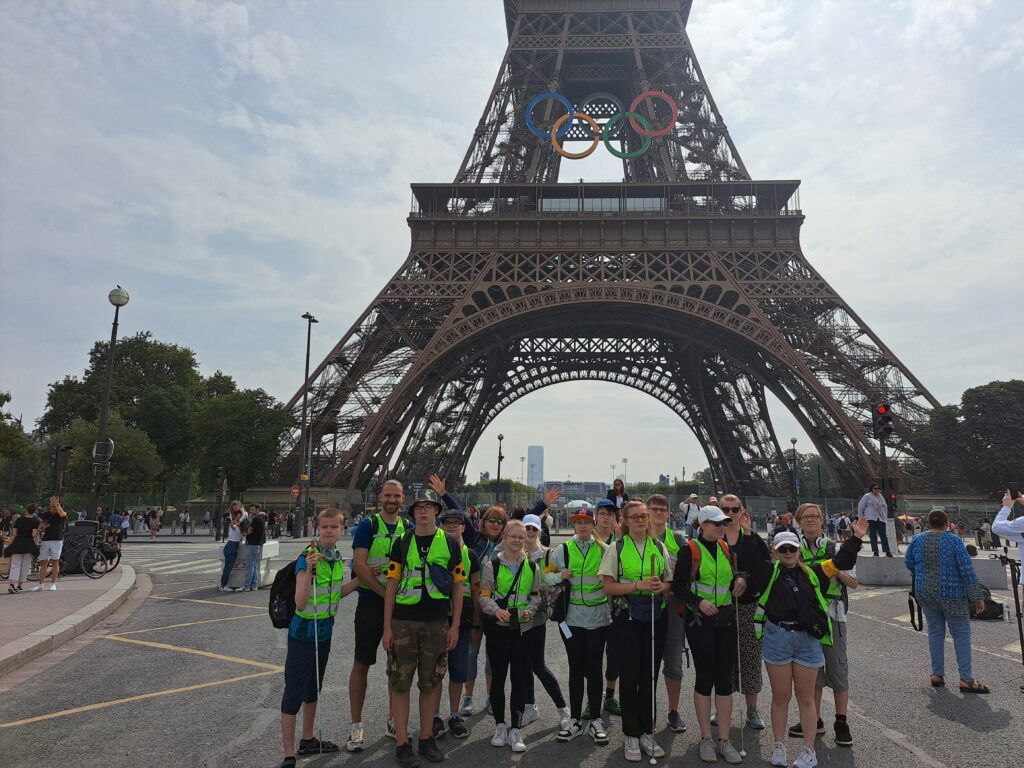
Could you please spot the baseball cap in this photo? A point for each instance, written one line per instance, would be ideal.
(604, 503)
(426, 495)
(711, 514)
(693, 496)
(533, 521)
(713, 500)
(583, 513)
(784, 538)
(450, 513)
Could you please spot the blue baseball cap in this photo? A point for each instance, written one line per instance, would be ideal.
(605, 503)
(450, 513)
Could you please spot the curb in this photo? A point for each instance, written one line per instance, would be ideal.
(44, 640)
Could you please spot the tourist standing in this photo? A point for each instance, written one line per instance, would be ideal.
(607, 530)
(617, 493)
(874, 508)
(255, 538)
(52, 527)
(231, 546)
(690, 509)
(22, 548)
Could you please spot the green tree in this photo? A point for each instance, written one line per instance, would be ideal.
(239, 431)
(23, 465)
(136, 465)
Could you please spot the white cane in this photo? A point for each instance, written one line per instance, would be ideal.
(316, 656)
(739, 678)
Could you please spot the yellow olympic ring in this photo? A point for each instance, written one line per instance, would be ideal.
(575, 155)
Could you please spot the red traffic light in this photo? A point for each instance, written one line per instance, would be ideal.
(881, 409)
(892, 496)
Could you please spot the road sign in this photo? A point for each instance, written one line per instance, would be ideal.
(295, 490)
(103, 450)
(101, 467)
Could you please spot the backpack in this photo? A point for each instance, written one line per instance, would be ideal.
(992, 609)
(556, 598)
(282, 597)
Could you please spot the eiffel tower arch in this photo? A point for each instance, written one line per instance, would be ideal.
(685, 280)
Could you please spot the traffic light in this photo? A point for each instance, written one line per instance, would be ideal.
(892, 502)
(881, 420)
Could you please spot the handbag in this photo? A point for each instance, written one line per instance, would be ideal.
(502, 601)
(556, 597)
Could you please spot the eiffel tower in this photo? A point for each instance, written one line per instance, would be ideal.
(685, 280)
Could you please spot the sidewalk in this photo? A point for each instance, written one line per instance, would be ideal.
(34, 623)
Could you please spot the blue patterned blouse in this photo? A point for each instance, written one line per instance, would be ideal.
(943, 572)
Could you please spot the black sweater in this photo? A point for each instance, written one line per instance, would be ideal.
(793, 583)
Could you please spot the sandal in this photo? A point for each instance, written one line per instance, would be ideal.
(973, 686)
(937, 681)
(314, 747)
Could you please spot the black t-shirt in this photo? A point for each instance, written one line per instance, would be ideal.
(22, 543)
(54, 526)
(427, 609)
(257, 532)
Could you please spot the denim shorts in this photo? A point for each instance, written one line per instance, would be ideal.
(781, 646)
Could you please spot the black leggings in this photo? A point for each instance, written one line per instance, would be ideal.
(714, 654)
(585, 650)
(635, 677)
(535, 639)
(509, 656)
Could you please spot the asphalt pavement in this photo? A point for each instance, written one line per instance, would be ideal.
(184, 675)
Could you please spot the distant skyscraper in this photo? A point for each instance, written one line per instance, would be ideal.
(534, 465)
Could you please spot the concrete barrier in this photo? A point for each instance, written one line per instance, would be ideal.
(236, 579)
(891, 571)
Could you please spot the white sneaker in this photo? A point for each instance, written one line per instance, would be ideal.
(631, 748)
(355, 738)
(516, 741)
(779, 756)
(52, 587)
(466, 705)
(597, 731)
(564, 718)
(391, 729)
(573, 729)
(650, 746)
(807, 759)
(500, 737)
(37, 587)
(530, 714)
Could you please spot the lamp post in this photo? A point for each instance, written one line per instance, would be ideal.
(613, 474)
(500, 457)
(305, 457)
(522, 470)
(625, 462)
(796, 490)
(104, 448)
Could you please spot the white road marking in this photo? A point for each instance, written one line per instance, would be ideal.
(899, 739)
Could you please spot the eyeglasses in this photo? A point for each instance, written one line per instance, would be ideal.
(659, 509)
(640, 518)
(451, 521)
(718, 523)
(497, 520)
(786, 550)
(732, 509)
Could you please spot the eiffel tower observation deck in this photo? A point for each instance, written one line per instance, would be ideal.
(685, 280)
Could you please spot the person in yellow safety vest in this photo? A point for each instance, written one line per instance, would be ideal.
(708, 579)
(636, 576)
(509, 598)
(425, 579)
(319, 589)
(372, 540)
(792, 618)
(607, 529)
(814, 548)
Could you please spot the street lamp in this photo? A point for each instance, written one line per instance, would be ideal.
(500, 457)
(305, 455)
(796, 490)
(613, 474)
(624, 467)
(104, 448)
(522, 469)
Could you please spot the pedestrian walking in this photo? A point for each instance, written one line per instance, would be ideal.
(635, 570)
(425, 578)
(23, 548)
(792, 618)
(234, 540)
(255, 538)
(319, 590)
(875, 509)
(51, 544)
(946, 585)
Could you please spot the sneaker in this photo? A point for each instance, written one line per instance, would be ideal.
(707, 750)
(779, 756)
(37, 587)
(754, 720)
(52, 587)
(530, 714)
(631, 748)
(500, 737)
(806, 759)
(611, 706)
(391, 734)
(439, 728)
(457, 727)
(11, 589)
(314, 746)
(515, 740)
(222, 588)
(843, 736)
(797, 731)
(675, 722)
(597, 731)
(728, 752)
(574, 729)
(405, 757)
(288, 762)
(355, 738)
(564, 718)
(428, 748)
(650, 746)
(466, 705)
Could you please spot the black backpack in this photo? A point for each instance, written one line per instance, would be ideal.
(992, 609)
(282, 597)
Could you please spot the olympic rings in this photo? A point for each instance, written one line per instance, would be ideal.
(561, 127)
(576, 155)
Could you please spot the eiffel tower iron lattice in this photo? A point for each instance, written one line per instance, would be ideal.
(684, 281)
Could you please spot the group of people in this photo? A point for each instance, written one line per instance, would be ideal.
(629, 595)
(253, 527)
(36, 535)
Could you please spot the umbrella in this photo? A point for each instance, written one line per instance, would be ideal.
(907, 518)
(578, 504)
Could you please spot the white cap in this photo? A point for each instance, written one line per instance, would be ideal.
(785, 537)
(534, 521)
(711, 514)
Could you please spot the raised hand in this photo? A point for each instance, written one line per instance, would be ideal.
(436, 485)
(860, 527)
(552, 494)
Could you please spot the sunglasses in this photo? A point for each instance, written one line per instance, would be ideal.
(718, 523)
(732, 509)
(786, 550)
(638, 518)
(531, 528)
(497, 520)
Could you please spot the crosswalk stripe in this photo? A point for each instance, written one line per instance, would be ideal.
(172, 567)
(187, 567)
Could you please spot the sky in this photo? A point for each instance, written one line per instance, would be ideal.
(234, 165)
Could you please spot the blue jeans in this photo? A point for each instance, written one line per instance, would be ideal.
(959, 630)
(252, 566)
(230, 555)
(876, 529)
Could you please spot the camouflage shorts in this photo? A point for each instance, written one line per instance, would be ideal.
(421, 648)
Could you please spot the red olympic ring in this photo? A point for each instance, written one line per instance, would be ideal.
(655, 95)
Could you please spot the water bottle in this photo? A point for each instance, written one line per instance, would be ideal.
(1006, 612)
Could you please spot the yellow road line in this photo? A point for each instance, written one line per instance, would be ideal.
(186, 624)
(207, 602)
(196, 652)
(130, 699)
